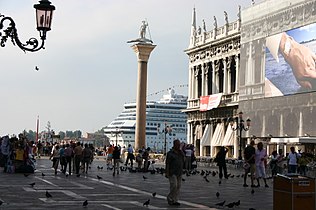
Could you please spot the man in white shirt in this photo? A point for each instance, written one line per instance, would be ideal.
(188, 160)
(292, 159)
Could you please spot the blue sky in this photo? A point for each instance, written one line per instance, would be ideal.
(304, 33)
(88, 71)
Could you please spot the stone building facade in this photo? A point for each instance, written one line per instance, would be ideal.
(231, 65)
(214, 58)
(287, 119)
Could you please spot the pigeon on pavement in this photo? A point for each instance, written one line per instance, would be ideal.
(146, 203)
(237, 203)
(231, 205)
(85, 203)
(48, 195)
(220, 203)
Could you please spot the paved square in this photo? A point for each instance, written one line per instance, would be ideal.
(126, 190)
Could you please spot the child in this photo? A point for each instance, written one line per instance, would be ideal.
(152, 168)
(139, 159)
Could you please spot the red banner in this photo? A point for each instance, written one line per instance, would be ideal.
(210, 102)
(203, 103)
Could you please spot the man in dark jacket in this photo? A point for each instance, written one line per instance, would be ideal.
(174, 170)
(249, 155)
(221, 162)
(117, 159)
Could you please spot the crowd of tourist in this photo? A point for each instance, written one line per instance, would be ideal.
(18, 155)
(257, 162)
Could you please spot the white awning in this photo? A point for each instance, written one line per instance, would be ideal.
(292, 140)
(229, 137)
(218, 135)
(206, 138)
(198, 131)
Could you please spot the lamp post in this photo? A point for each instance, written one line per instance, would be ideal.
(168, 129)
(240, 126)
(44, 14)
(116, 133)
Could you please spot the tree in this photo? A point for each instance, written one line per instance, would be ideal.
(62, 134)
(77, 134)
(69, 134)
(31, 135)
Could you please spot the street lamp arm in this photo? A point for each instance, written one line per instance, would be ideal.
(31, 45)
(239, 124)
(116, 133)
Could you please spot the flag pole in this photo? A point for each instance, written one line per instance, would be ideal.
(37, 125)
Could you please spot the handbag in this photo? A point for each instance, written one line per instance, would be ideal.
(246, 166)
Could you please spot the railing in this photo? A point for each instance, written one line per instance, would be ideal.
(225, 100)
(206, 161)
(221, 32)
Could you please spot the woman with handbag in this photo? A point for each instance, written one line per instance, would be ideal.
(55, 156)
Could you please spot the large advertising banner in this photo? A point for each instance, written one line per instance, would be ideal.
(290, 62)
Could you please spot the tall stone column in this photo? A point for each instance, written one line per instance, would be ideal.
(191, 77)
(203, 80)
(229, 76)
(237, 72)
(214, 89)
(196, 83)
(206, 93)
(225, 76)
(142, 51)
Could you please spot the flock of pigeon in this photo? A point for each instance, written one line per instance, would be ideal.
(206, 173)
(85, 203)
(203, 173)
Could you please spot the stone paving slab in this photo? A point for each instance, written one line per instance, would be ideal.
(125, 191)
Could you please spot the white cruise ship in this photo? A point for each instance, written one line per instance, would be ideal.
(165, 114)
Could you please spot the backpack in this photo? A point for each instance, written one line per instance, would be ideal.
(138, 158)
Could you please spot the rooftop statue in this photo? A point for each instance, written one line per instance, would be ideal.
(239, 12)
(226, 17)
(215, 22)
(142, 34)
(204, 25)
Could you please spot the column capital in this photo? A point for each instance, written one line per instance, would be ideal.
(143, 51)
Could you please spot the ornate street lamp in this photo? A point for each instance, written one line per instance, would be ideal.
(168, 129)
(116, 133)
(44, 14)
(240, 126)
